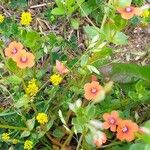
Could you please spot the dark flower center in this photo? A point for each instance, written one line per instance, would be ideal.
(14, 51)
(112, 120)
(24, 59)
(128, 9)
(93, 90)
(125, 129)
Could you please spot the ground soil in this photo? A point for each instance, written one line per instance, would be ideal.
(138, 48)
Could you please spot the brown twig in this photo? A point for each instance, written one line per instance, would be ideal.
(39, 5)
(54, 141)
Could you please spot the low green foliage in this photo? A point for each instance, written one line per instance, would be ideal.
(60, 87)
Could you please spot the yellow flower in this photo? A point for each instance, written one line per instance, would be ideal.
(56, 79)
(32, 88)
(145, 14)
(42, 118)
(1, 18)
(28, 145)
(5, 137)
(26, 18)
(15, 141)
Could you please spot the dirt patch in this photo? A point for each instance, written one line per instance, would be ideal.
(138, 48)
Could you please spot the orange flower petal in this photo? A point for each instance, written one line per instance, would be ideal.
(13, 49)
(28, 62)
(120, 10)
(115, 114)
(106, 116)
(120, 136)
(106, 125)
(137, 11)
(130, 137)
(127, 16)
(129, 133)
(113, 128)
(87, 86)
(92, 90)
(61, 68)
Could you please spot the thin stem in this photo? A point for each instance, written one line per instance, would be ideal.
(106, 15)
(67, 140)
(79, 143)
(87, 16)
(12, 127)
(110, 145)
(34, 107)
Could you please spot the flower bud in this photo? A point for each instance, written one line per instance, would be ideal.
(96, 124)
(108, 86)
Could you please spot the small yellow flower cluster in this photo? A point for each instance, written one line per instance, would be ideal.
(26, 18)
(32, 88)
(28, 145)
(145, 14)
(5, 137)
(1, 18)
(15, 141)
(56, 79)
(42, 118)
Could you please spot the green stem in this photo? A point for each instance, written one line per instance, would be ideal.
(87, 17)
(106, 15)
(79, 143)
(110, 145)
(34, 107)
(12, 127)
(67, 140)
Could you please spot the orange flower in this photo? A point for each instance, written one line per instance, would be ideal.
(24, 59)
(99, 138)
(94, 91)
(13, 49)
(61, 68)
(129, 12)
(111, 120)
(126, 130)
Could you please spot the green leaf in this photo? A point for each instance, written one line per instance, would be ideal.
(30, 123)
(11, 65)
(89, 138)
(61, 117)
(90, 111)
(84, 60)
(147, 124)
(120, 39)
(140, 146)
(99, 56)
(25, 134)
(75, 23)
(99, 48)
(123, 3)
(23, 101)
(87, 9)
(59, 3)
(13, 80)
(58, 11)
(91, 31)
(78, 126)
(18, 4)
(126, 73)
(58, 133)
(33, 36)
(49, 125)
(93, 69)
